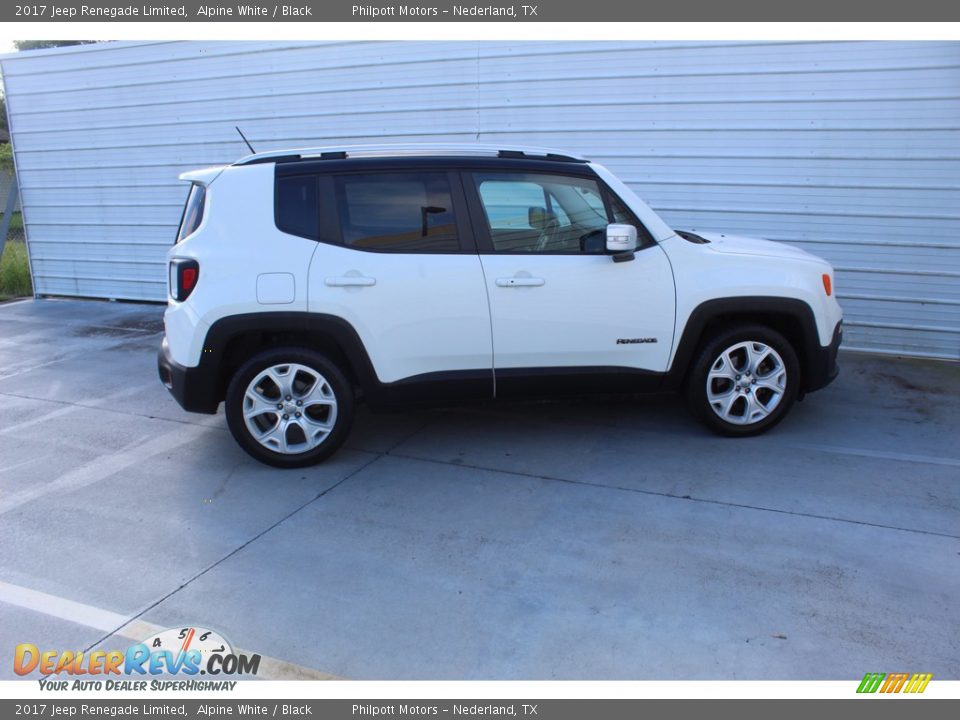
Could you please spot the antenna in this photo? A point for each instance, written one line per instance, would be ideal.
(245, 139)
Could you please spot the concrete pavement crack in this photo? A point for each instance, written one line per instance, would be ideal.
(105, 409)
(673, 496)
(237, 549)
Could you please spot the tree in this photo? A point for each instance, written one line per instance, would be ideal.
(46, 44)
(6, 161)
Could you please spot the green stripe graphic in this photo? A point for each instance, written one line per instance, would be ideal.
(870, 682)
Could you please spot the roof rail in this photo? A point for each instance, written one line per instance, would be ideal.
(407, 150)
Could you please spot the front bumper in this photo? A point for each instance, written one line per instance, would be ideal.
(194, 388)
(822, 368)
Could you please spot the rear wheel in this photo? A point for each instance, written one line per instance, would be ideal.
(289, 407)
(744, 380)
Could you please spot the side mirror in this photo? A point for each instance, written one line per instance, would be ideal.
(621, 241)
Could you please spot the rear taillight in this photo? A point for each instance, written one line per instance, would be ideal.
(183, 278)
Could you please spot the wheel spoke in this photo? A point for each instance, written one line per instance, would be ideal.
(756, 352)
(775, 382)
(723, 369)
(325, 425)
(276, 437)
(281, 380)
(755, 410)
(256, 404)
(728, 404)
(313, 431)
(320, 393)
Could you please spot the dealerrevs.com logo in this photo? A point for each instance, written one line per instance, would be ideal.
(189, 651)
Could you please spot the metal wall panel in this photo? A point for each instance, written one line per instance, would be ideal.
(848, 149)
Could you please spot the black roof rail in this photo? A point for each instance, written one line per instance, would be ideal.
(270, 159)
(523, 155)
(399, 151)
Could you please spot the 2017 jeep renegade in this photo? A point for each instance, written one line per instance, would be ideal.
(304, 281)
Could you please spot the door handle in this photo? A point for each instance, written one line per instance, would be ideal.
(350, 281)
(520, 282)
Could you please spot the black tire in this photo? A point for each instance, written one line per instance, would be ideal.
(335, 386)
(742, 341)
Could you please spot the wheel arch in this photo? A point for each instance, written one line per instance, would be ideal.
(792, 318)
(234, 339)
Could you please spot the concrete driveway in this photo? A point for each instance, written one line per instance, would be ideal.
(610, 539)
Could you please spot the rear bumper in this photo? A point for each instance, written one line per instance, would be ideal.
(822, 368)
(194, 388)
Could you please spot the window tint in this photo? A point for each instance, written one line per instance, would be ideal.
(542, 213)
(507, 203)
(622, 215)
(192, 211)
(592, 198)
(397, 212)
(297, 205)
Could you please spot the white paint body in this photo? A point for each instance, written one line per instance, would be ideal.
(426, 313)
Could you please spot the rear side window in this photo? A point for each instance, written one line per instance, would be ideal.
(192, 211)
(397, 212)
(296, 205)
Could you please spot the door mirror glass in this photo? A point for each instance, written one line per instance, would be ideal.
(621, 238)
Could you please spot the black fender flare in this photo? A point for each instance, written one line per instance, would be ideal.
(321, 327)
(792, 317)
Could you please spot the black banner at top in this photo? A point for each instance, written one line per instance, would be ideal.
(445, 11)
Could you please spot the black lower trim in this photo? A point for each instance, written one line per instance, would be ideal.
(193, 388)
(431, 389)
(555, 381)
(822, 366)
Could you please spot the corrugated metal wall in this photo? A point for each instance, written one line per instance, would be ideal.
(850, 150)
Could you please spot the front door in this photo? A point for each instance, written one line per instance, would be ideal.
(558, 302)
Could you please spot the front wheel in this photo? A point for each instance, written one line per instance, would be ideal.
(289, 407)
(744, 381)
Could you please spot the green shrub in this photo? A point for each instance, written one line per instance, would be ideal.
(14, 272)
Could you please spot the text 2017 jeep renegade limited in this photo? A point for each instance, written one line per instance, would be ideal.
(306, 280)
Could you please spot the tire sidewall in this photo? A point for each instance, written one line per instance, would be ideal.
(249, 370)
(697, 380)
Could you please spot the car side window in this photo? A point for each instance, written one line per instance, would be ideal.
(400, 212)
(296, 205)
(621, 214)
(529, 212)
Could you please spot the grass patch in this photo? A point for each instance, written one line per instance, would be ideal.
(16, 222)
(14, 272)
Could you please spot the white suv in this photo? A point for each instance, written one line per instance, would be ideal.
(304, 281)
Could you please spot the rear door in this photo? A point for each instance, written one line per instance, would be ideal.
(398, 261)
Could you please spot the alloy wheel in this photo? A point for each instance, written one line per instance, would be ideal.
(289, 408)
(746, 382)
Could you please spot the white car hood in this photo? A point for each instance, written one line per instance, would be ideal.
(741, 245)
